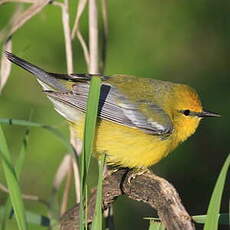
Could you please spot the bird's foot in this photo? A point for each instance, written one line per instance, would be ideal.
(114, 169)
(137, 172)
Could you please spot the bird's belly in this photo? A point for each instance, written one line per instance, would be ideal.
(127, 147)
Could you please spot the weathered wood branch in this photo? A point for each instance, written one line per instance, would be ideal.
(148, 188)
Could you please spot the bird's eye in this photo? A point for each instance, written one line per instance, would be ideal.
(186, 112)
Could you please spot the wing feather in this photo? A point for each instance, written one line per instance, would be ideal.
(116, 107)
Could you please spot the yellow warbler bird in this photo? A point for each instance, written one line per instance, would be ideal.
(140, 121)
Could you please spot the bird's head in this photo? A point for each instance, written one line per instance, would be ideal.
(187, 111)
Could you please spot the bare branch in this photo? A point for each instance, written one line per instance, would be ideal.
(67, 189)
(76, 180)
(77, 145)
(84, 47)
(67, 34)
(105, 33)
(76, 30)
(93, 38)
(24, 196)
(5, 65)
(80, 8)
(27, 14)
(69, 58)
(62, 171)
(148, 188)
(18, 1)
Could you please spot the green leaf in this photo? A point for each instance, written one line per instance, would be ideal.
(12, 183)
(22, 154)
(10, 121)
(222, 218)
(155, 225)
(91, 118)
(5, 214)
(51, 129)
(34, 218)
(89, 133)
(215, 202)
(97, 220)
(18, 168)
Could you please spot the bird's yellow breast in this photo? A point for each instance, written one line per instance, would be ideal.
(128, 147)
(132, 147)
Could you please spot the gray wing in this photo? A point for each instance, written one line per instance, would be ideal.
(116, 107)
(113, 105)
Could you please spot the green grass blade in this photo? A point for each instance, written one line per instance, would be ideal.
(51, 129)
(215, 202)
(18, 168)
(33, 218)
(91, 118)
(222, 218)
(82, 194)
(9, 121)
(12, 183)
(153, 225)
(97, 220)
(89, 133)
(22, 154)
(6, 213)
(86, 206)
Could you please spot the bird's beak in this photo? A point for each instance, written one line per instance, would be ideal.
(208, 114)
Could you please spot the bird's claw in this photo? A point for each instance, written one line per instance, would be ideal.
(135, 173)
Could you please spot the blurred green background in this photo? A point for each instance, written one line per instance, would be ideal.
(180, 41)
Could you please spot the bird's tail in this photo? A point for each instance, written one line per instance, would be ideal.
(49, 81)
(26, 65)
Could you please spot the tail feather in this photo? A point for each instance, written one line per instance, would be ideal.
(42, 75)
(26, 65)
